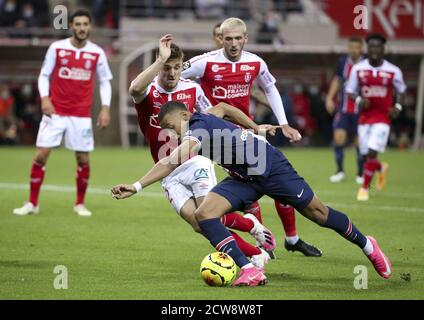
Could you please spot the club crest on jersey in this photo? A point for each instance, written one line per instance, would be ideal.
(88, 64)
(247, 77)
(201, 174)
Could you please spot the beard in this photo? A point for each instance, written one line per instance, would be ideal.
(81, 37)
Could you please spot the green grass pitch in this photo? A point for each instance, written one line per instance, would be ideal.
(140, 249)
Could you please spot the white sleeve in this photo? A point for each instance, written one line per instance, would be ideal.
(46, 70)
(142, 96)
(352, 85)
(43, 85)
(276, 103)
(202, 103)
(398, 81)
(105, 92)
(103, 70)
(265, 78)
(194, 68)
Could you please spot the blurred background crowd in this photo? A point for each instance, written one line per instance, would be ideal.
(26, 31)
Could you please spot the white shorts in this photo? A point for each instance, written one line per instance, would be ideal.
(78, 133)
(193, 179)
(373, 136)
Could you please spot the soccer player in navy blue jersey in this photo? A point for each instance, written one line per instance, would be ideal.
(257, 169)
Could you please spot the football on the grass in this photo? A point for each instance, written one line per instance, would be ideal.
(218, 269)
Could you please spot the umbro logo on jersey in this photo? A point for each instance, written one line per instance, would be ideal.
(246, 67)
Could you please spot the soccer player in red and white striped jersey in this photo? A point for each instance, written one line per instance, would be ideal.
(66, 84)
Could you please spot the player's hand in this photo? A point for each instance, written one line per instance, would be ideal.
(165, 47)
(103, 119)
(394, 113)
(266, 129)
(330, 106)
(123, 191)
(364, 104)
(47, 107)
(292, 134)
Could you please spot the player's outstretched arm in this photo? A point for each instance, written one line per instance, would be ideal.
(159, 171)
(230, 113)
(140, 84)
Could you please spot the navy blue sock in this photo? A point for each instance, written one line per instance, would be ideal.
(339, 153)
(340, 223)
(360, 160)
(219, 236)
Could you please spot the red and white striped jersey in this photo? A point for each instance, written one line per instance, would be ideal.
(71, 71)
(148, 106)
(378, 85)
(225, 81)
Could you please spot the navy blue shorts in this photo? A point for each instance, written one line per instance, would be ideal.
(283, 184)
(346, 121)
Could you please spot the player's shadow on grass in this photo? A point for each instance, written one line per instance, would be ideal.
(25, 264)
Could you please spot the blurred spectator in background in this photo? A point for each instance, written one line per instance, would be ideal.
(322, 119)
(28, 113)
(403, 127)
(239, 9)
(302, 113)
(216, 35)
(7, 119)
(106, 13)
(9, 13)
(210, 9)
(268, 32)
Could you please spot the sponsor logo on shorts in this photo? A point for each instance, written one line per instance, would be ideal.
(86, 133)
(201, 174)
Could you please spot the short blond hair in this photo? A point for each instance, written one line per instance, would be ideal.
(232, 23)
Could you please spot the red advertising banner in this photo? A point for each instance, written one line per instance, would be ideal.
(396, 19)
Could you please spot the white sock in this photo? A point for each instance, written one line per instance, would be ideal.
(368, 249)
(292, 240)
(249, 265)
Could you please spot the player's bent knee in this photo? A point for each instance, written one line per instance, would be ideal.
(339, 137)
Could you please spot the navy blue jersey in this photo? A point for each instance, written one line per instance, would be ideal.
(242, 152)
(344, 66)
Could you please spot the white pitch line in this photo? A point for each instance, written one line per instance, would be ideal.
(155, 194)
